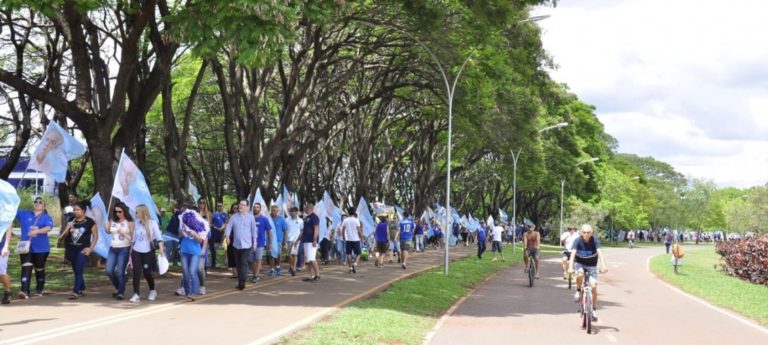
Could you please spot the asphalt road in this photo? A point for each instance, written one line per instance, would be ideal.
(634, 308)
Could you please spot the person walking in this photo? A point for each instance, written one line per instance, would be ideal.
(496, 245)
(418, 233)
(145, 240)
(121, 227)
(263, 240)
(481, 241)
(227, 242)
(82, 235)
(194, 233)
(406, 227)
(293, 243)
(351, 236)
(4, 254)
(309, 240)
(242, 232)
(217, 232)
(394, 240)
(381, 235)
(35, 226)
(277, 240)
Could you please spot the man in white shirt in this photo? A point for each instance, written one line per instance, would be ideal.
(352, 234)
(566, 240)
(496, 247)
(292, 238)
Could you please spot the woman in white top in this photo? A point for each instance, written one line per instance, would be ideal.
(146, 234)
(120, 226)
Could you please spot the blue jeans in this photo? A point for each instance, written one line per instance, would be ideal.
(189, 264)
(78, 267)
(117, 260)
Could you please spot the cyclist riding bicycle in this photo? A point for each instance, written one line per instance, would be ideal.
(584, 256)
(532, 243)
(566, 240)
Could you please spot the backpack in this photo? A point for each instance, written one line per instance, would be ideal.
(677, 251)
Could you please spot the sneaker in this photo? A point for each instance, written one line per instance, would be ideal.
(594, 315)
(119, 297)
(316, 279)
(135, 298)
(271, 273)
(403, 266)
(22, 295)
(306, 279)
(354, 269)
(114, 294)
(240, 287)
(152, 295)
(293, 273)
(565, 276)
(190, 298)
(202, 290)
(278, 271)
(179, 292)
(576, 297)
(39, 293)
(255, 279)
(6, 297)
(350, 270)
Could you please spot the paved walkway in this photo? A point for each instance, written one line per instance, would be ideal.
(634, 308)
(262, 313)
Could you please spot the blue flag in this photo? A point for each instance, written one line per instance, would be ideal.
(320, 211)
(193, 192)
(98, 212)
(55, 151)
(9, 204)
(503, 215)
(131, 187)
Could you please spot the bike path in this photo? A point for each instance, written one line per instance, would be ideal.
(634, 308)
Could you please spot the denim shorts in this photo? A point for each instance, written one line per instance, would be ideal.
(256, 254)
(594, 272)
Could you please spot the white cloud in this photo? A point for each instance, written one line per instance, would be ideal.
(684, 81)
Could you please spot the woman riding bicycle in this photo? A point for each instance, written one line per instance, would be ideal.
(584, 257)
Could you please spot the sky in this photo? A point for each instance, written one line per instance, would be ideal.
(683, 81)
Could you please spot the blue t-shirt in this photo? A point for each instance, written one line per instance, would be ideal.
(586, 252)
(219, 218)
(419, 230)
(308, 234)
(280, 226)
(382, 232)
(406, 229)
(39, 243)
(188, 245)
(481, 236)
(262, 226)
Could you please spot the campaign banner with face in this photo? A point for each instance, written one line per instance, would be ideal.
(55, 151)
(9, 204)
(131, 187)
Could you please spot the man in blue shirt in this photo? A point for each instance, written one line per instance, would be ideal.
(309, 239)
(263, 240)
(406, 235)
(381, 236)
(277, 239)
(419, 235)
(219, 220)
(242, 228)
(481, 241)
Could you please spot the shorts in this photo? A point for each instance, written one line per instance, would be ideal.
(256, 254)
(310, 252)
(566, 254)
(594, 272)
(394, 246)
(496, 246)
(533, 252)
(290, 248)
(352, 247)
(382, 247)
(405, 245)
(4, 265)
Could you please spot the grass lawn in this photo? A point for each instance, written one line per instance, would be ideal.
(699, 277)
(407, 310)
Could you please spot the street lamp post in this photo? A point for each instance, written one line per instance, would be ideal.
(562, 191)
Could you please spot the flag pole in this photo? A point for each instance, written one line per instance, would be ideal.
(119, 163)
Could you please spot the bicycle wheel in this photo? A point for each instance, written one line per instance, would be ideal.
(588, 311)
(531, 271)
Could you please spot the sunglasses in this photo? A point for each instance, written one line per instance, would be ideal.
(40, 202)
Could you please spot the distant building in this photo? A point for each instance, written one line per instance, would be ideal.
(34, 179)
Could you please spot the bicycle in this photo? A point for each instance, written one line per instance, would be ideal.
(586, 307)
(531, 268)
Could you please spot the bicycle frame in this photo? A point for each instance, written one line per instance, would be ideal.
(586, 307)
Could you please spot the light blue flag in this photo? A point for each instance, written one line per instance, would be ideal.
(55, 151)
(280, 204)
(331, 211)
(193, 192)
(400, 212)
(98, 212)
(9, 204)
(131, 187)
(364, 214)
(425, 216)
(503, 215)
(320, 211)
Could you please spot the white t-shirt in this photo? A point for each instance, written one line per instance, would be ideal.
(569, 238)
(120, 231)
(141, 237)
(497, 230)
(294, 228)
(350, 225)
